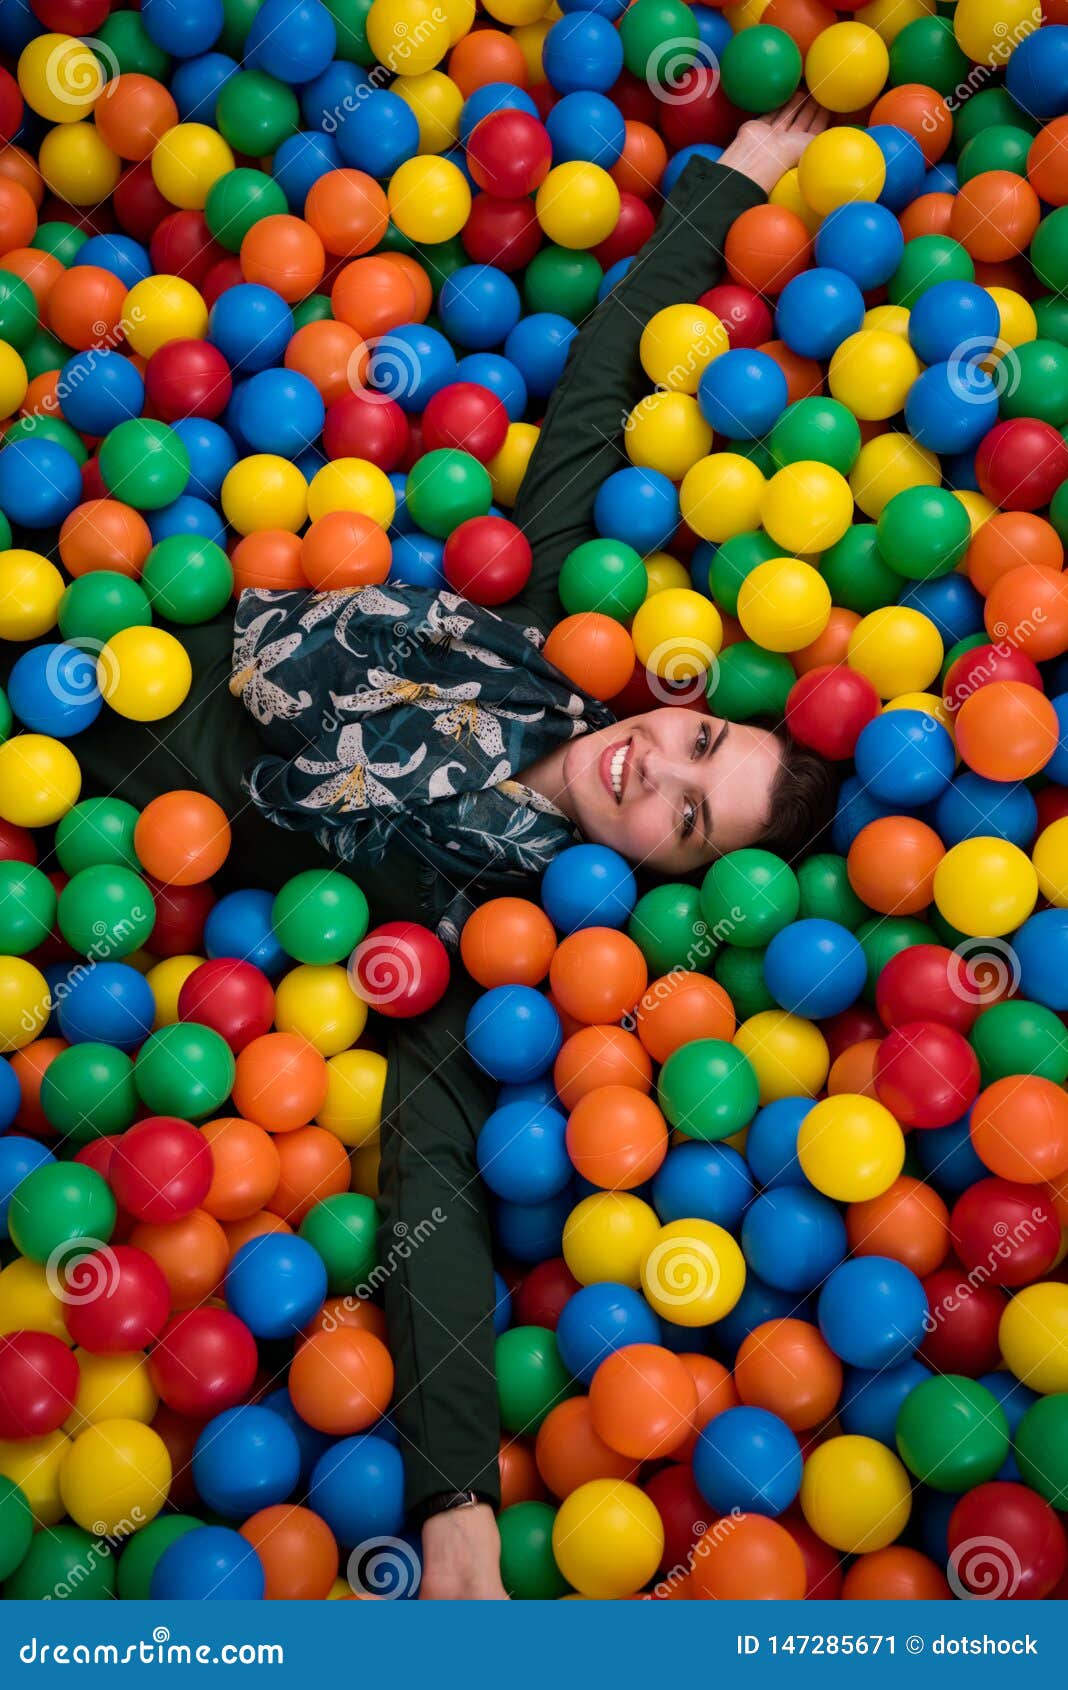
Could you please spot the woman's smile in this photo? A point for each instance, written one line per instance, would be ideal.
(615, 765)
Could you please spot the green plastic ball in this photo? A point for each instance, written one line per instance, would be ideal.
(319, 916)
(48, 428)
(188, 579)
(826, 894)
(255, 113)
(984, 110)
(16, 1526)
(668, 928)
(7, 720)
(962, 647)
(760, 68)
(748, 681)
(1020, 1037)
(603, 575)
(440, 259)
(528, 1567)
(816, 430)
(342, 1229)
(98, 830)
(144, 463)
(350, 21)
(883, 937)
(747, 896)
(926, 51)
(1033, 382)
(27, 907)
(859, 577)
(238, 201)
(733, 561)
(238, 16)
(142, 1550)
(127, 47)
(106, 911)
(88, 1091)
(926, 260)
(559, 280)
(315, 309)
(43, 353)
(100, 604)
(741, 974)
(531, 1378)
(1001, 147)
(63, 241)
(952, 1433)
(18, 310)
(1049, 251)
(923, 532)
(447, 487)
(57, 1205)
(1051, 316)
(63, 1563)
(1058, 512)
(708, 1089)
(1041, 1448)
(185, 1070)
(658, 36)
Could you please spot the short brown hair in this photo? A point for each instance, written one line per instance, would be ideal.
(803, 799)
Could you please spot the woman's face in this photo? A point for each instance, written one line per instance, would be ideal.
(671, 789)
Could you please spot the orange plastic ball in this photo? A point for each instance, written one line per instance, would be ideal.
(254, 1226)
(182, 838)
(1047, 162)
(597, 974)
(42, 397)
(927, 215)
(1019, 1128)
(29, 1065)
(1007, 731)
(1005, 541)
(1028, 607)
(922, 112)
(853, 1070)
(508, 942)
(332, 356)
(486, 55)
(801, 20)
(298, 1550)
(345, 549)
(891, 865)
(570, 1452)
(804, 376)
(995, 214)
(372, 296)
(270, 558)
(357, 1312)
(895, 1574)
(284, 253)
(766, 247)
(642, 162)
(38, 270)
(192, 1253)
(104, 534)
(422, 286)
(593, 651)
(746, 1556)
(682, 1006)
(85, 307)
(341, 1382)
(831, 646)
(245, 1167)
(17, 165)
(600, 1056)
(716, 1391)
(280, 1082)
(616, 1137)
(312, 1164)
(642, 1401)
(909, 1222)
(347, 211)
(787, 1367)
(18, 215)
(520, 1479)
(133, 113)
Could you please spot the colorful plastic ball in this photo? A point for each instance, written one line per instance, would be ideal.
(401, 969)
(209, 1562)
(513, 1033)
(742, 393)
(1021, 463)
(828, 707)
(274, 1284)
(281, 1082)
(53, 690)
(607, 576)
(748, 895)
(814, 968)
(239, 925)
(994, 1210)
(792, 1237)
(708, 1089)
(761, 68)
(952, 1433)
(204, 1363)
(357, 1487)
(748, 1460)
(904, 758)
(642, 1401)
(855, 1494)
(607, 1539)
(109, 1004)
(1005, 1543)
(873, 1312)
(863, 241)
(784, 604)
(319, 916)
(816, 311)
(184, 1070)
(897, 649)
(692, 1272)
(115, 1476)
(244, 1459)
(521, 1153)
(38, 1384)
(985, 886)
(40, 483)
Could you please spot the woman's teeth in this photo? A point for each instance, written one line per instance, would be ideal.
(616, 770)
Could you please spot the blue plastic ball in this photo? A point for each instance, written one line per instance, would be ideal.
(817, 311)
(532, 1232)
(125, 258)
(1041, 947)
(948, 1158)
(183, 27)
(479, 306)
(40, 483)
(905, 758)
(856, 807)
(759, 1302)
(251, 326)
(245, 1459)
(582, 50)
(747, 1460)
(311, 1443)
(586, 125)
(301, 160)
(950, 602)
(538, 346)
(588, 886)
(417, 559)
(792, 1237)
(862, 241)
(974, 808)
(1037, 72)
(956, 321)
(905, 165)
(275, 1284)
(187, 515)
(639, 505)
(208, 1564)
(771, 1142)
(537, 1091)
(709, 1182)
(494, 371)
(491, 97)
(197, 83)
(1057, 767)
(700, 149)
(942, 178)
(239, 925)
(871, 1401)
(598, 1320)
(612, 275)
(522, 1154)
(378, 134)
(212, 455)
(111, 1004)
(338, 89)
(293, 40)
(502, 1305)
(281, 412)
(53, 689)
(815, 968)
(18, 1156)
(742, 393)
(410, 364)
(951, 406)
(513, 1033)
(100, 390)
(872, 1312)
(357, 1487)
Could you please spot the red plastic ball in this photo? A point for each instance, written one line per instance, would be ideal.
(367, 425)
(204, 1362)
(466, 416)
(117, 1300)
(634, 225)
(983, 665)
(182, 245)
(187, 378)
(823, 1569)
(683, 1513)
(502, 232)
(71, 17)
(509, 154)
(928, 983)
(850, 1027)
(1005, 1543)
(16, 844)
(699, 110)
(540, 1297)
(181, 912)
(1021, 463)
(10, 105)
(487, 560)
(401, 969)
(226, 273)
(828, 707)
(234, 998)
(138, 203)
(38, 1384)
(160, 1169)
(745, 315)
(961, 1330)
(1051, 802)
(1010, 1231)
(926, 1074)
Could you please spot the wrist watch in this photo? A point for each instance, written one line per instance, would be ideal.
(443, 1502)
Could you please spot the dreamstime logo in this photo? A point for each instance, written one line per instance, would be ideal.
(81, 1271)
(984, 1569)
(972, 381)
(671, 71)
(991, 972)
(74, 680)
(76, 71)
(680, 1271)
(383, 969)
(679, 670)
(394, 370)
(386, 1567)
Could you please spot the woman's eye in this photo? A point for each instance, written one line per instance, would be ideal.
(689, 818)
(701, 742)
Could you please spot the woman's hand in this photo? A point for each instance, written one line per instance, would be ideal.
(767, 147)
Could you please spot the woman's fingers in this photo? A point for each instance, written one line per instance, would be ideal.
(786, 114)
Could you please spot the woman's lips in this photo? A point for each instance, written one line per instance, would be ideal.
(604, 765)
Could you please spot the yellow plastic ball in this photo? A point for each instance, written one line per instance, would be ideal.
(115, 1477)
(35, 1465)
(677, 634)
(1050, 857)
(429, 199)
(1033, 1336)
(13, 380)
(408, 36)
(855, 1494)
(29, 1303)
(39, 780)
(985, 887)
(187, 162)
(513, 12)
(1018, 323)
(787, 193)
(165, 981)
(839, 166)
(722, 496)
(989, 30)
(846, 66)
(437, 104)
(692, 1272)
(898, 649)
(607, 1539)
(666, 432)
(356, 1081)
(871, 373)
(112, 1387)
(886, 466)
(460, 15)
(508, 467)
(30, 591)
(678, 344)
(24, 1000)
(348, 484)
(890, 17)
(607, 1235)
(664, 571)
(577, 205)
(60, 77)
(530, 39)
(77, 164)
(365, 1161)
(746, 14)
(318, 1003)
(265, 491)
(784, 604)
(160, 309)
(893, 318)
(808, 506)
(978, 506)
(850, 1147)
(928, 704)
(144, 673)
(789, 1054)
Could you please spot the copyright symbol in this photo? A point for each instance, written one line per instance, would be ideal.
(914, 1645)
